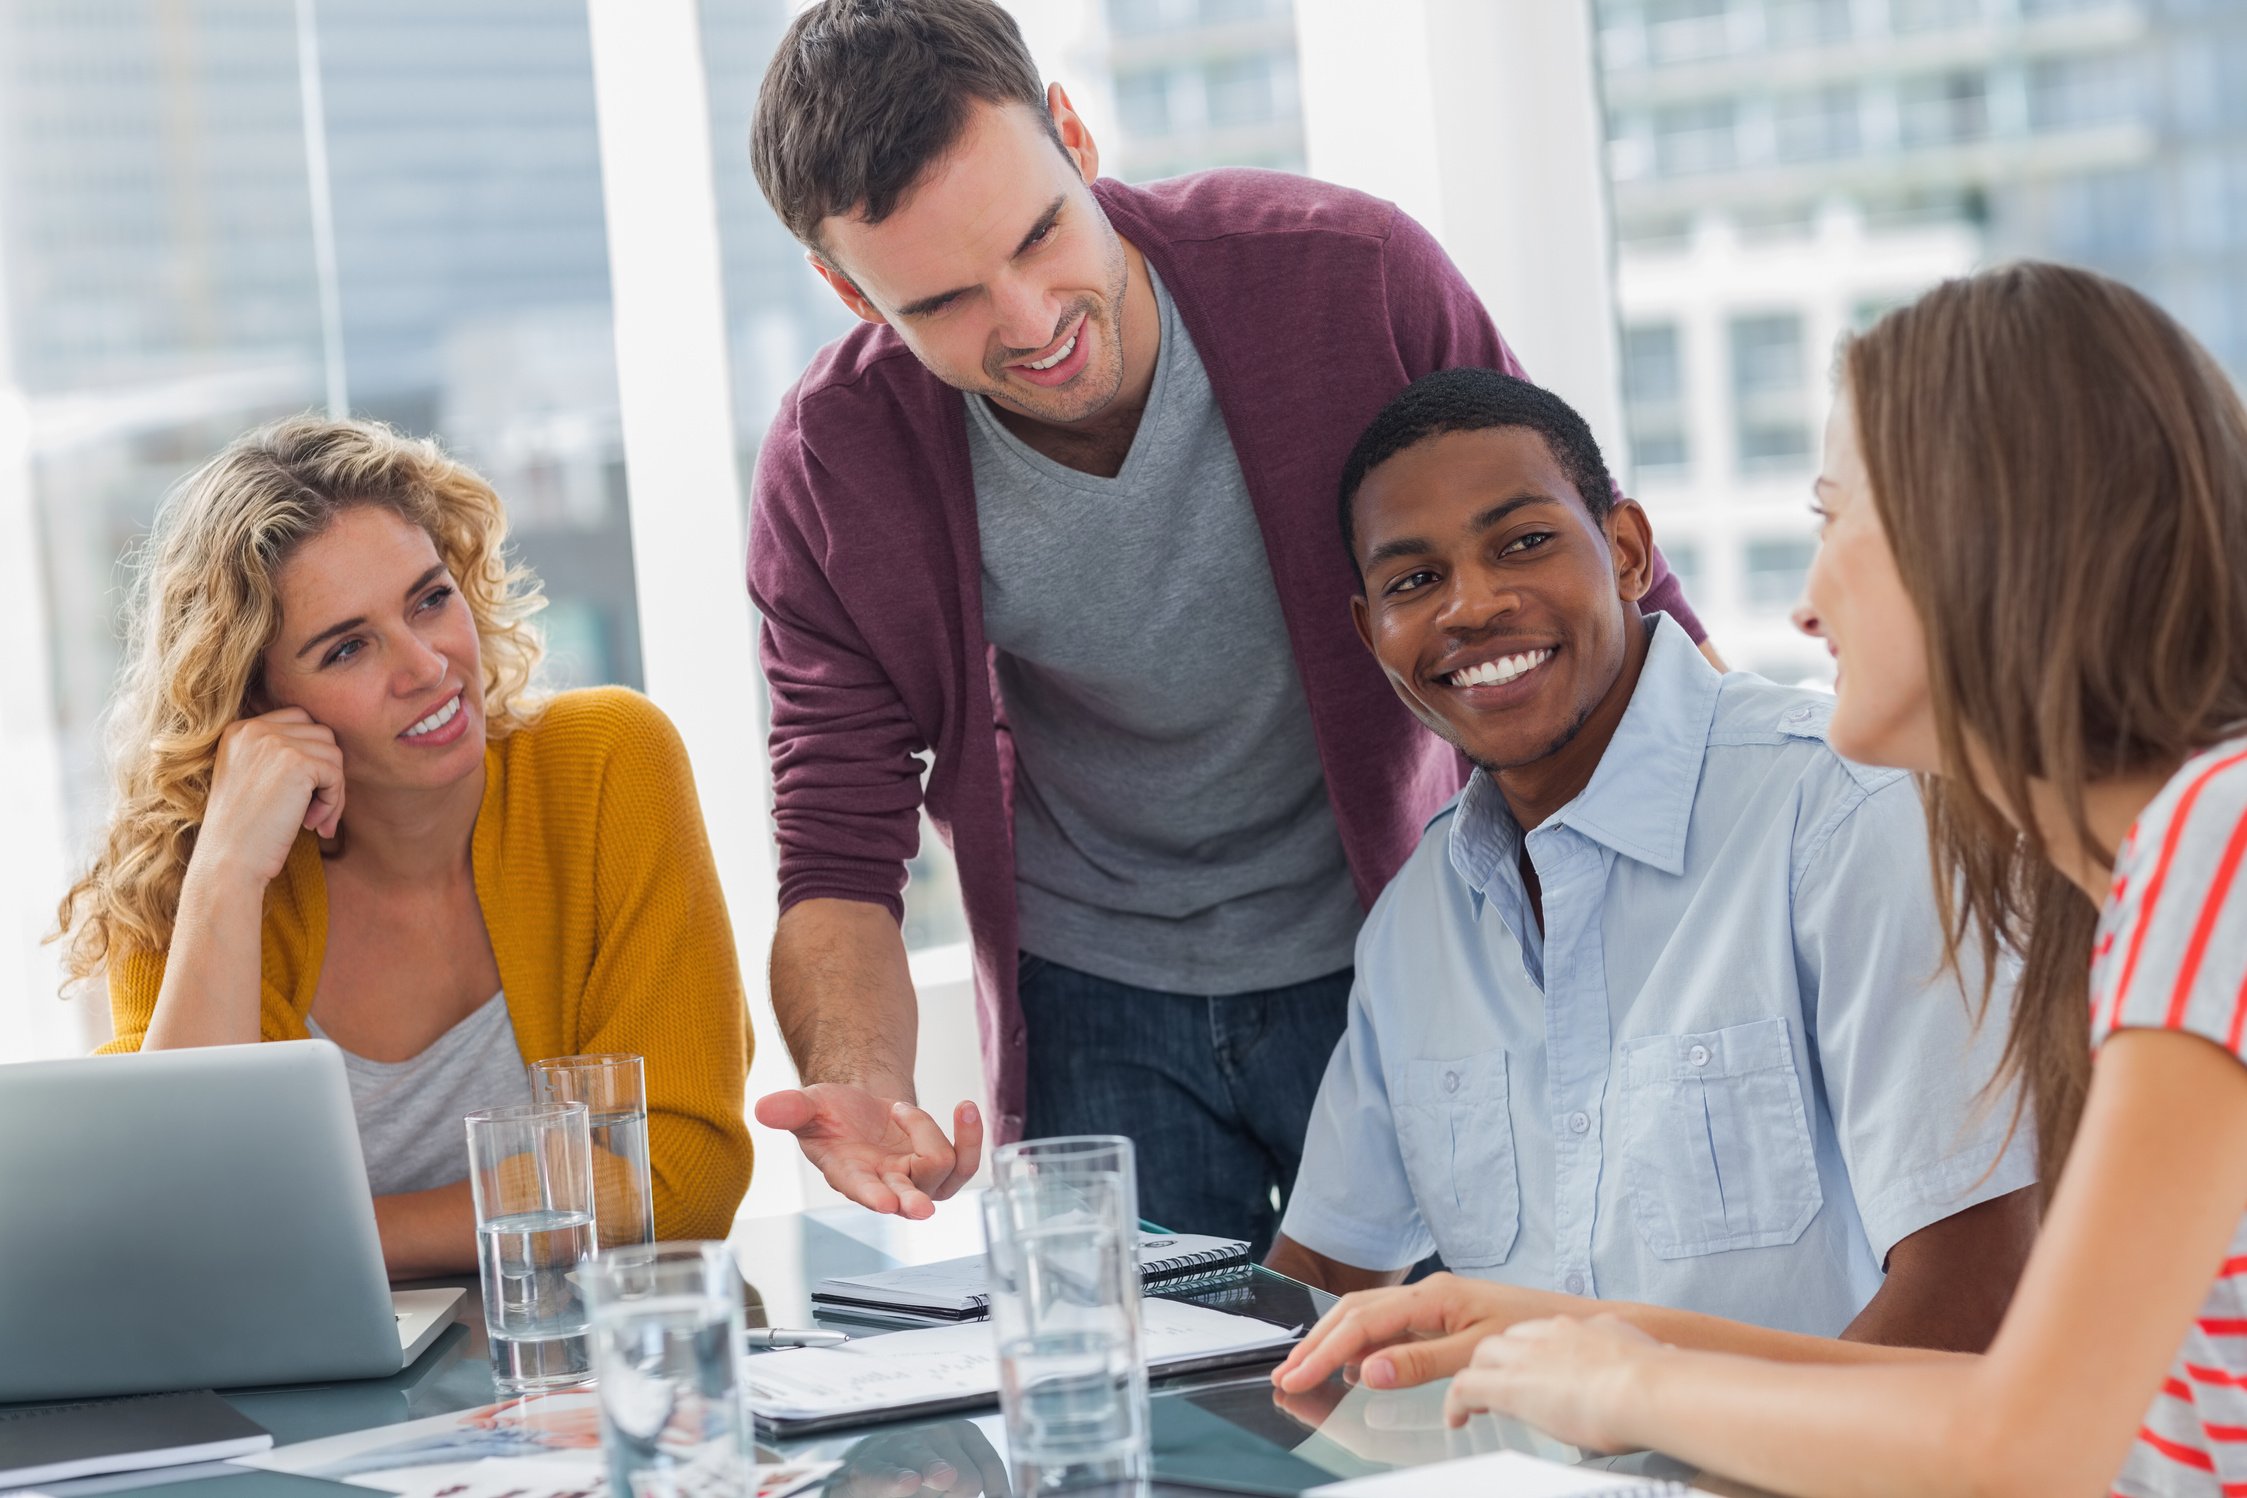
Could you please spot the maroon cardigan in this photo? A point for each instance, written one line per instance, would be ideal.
(1311, 306)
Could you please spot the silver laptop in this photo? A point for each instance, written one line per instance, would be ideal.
(192, 1219)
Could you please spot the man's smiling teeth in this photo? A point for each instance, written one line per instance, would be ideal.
(1062, 353)
(435, 720)
(1498, 672)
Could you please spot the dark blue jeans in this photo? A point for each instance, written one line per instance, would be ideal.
(1215, 1092)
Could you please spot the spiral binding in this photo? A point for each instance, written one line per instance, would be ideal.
(1180, 1263)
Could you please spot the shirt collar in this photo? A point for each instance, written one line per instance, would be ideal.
(1639, 801)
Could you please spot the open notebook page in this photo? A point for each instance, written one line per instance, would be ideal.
(950, 1362)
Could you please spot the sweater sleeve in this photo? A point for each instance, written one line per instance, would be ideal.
(665, 980)
(1441, 324)
(845, 768)
(134, 981)
(136, 978)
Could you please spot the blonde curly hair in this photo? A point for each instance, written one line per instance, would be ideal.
(204, 607)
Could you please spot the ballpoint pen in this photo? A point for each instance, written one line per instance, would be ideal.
(769, 1338)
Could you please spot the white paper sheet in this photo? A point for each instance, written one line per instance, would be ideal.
(950, 1362)
(1496, 1474)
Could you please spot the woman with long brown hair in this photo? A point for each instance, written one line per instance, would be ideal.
(2033, 577)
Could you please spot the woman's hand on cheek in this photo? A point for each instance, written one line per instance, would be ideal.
(274, 775)
(1577, 1380)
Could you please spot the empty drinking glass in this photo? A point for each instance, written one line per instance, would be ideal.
(530, 1168)
(667, 1348)
(1061, 1222)
(614, 1088)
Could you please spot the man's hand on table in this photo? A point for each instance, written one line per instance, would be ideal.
(1409, 1334)
(883, 1153)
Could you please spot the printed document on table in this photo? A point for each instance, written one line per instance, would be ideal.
(942, 1363)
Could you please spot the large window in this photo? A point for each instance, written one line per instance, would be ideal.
(1695, 138)
(1770, 389)
(1800, 23)
(1943, 109)
(1776, 569)
(212, 216)
(1654, 396)
(1816, 125)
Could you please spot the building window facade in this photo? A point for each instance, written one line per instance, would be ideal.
(1654, 397)
(1770, 390)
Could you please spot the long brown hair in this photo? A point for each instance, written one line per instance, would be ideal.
(205, 605)
(2062, 473)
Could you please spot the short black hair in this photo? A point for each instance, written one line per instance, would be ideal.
(1475, 400)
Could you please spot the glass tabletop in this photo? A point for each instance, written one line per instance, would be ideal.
(1221, 1432)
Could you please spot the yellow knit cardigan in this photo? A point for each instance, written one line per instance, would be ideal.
(602, 901)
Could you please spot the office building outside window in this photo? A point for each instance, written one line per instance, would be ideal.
(1771, 395)
(1654, 396)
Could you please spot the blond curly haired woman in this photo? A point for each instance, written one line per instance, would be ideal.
(342, 812)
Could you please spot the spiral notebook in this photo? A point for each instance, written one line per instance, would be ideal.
(1500, 1474)
(959, 1289)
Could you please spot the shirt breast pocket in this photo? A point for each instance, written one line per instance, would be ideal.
(1458, 1147)
(1717, 1151)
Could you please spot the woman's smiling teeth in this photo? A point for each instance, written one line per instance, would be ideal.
(1059, 354)
(1498, 672)
(437, 719)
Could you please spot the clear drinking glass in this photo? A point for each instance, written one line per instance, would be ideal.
(667, 1349)
(614, 1089)
(531, 1170)
(1061, 1222)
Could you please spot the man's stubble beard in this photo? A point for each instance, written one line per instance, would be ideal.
(1110, 320)
(1560, 741)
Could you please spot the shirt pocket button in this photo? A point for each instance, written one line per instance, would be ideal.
(1699, 1055)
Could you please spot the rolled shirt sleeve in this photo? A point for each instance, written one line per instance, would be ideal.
(1352, 1200)
(1908, 1069)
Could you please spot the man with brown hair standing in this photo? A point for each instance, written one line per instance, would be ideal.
(1058, 515)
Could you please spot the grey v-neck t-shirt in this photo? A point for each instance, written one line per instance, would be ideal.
(1171, 822)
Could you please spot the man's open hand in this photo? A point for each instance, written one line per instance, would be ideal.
(884, 1154)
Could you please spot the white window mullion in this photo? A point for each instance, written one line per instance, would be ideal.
(696, 645)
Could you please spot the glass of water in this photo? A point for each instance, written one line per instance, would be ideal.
(667, 1348)
(1061, 1222)
(531, 1170)
(614, 1089)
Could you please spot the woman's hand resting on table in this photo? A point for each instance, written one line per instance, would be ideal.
(1409, 1334)
(1567, 1376)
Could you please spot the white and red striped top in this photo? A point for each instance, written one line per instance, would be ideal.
(2171, 954)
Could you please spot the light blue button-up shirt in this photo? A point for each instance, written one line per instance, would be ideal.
(1728, 1074)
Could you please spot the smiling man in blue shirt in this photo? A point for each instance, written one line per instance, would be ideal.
(1655, 1013)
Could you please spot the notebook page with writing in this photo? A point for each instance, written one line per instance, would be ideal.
(944, 1364)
